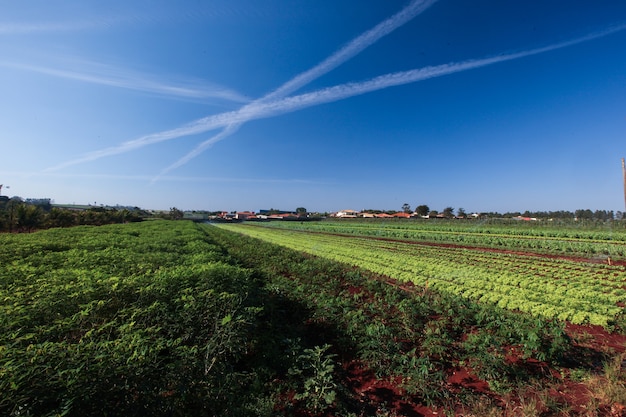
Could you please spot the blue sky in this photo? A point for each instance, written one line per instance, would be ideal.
(244, 105)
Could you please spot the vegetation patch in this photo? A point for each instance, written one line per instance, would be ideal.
(171, 318)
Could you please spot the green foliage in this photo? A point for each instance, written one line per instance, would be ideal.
(175, 319)
(19, 216)
(314, 375)
(126, 320)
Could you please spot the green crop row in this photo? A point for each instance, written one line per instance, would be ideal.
(547, 239)
(609, 231)
(585, 293)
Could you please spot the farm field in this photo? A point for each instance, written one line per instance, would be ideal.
(440, 349)
(577, 291)
(172, 318)
(589, 240)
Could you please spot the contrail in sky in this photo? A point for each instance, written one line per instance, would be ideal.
(111, 76)
(56, 25)
(144, 178)
(227, 131)
(274, 108)
(353, 48)
(29, 28)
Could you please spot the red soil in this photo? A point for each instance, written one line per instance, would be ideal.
(596, 338)
(463, 377)
(574, 396)
(386, 392)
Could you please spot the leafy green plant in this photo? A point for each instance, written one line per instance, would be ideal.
(314, 374)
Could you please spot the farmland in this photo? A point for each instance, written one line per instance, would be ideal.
(591, 240)
(171, 318)
(566, 289)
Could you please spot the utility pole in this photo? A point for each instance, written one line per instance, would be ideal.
(624, 175)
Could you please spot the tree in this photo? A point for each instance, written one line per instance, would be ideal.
(176, 214)
(61, 218)
(603, 215)
(301, 211)
(584, 214)
(11, 208)
(422, 210)
(44, 203)
(406, 208)
(461, 213)
(448, 212)
(29, 216)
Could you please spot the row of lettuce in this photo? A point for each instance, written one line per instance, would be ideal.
(582, 293)
(178, 319)
(605, 241)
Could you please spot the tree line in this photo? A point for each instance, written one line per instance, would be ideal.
(18, 215)
(581, 214)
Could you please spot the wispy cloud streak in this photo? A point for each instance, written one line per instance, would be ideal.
(277, 107)
(29, 28)
(12, 28)
(344, 54)
(229, 130)
(174, 178)
(131, 80)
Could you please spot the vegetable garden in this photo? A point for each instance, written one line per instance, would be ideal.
(554, 288)
(171, 318)
(595, 241)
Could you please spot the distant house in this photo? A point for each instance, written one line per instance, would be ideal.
(526, 219)
(346, 213)
(366, 215)
(244, 215)
(401, 215)
(384, 216)
(282, 216)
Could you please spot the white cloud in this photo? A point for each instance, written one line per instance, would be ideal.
(261, 110)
